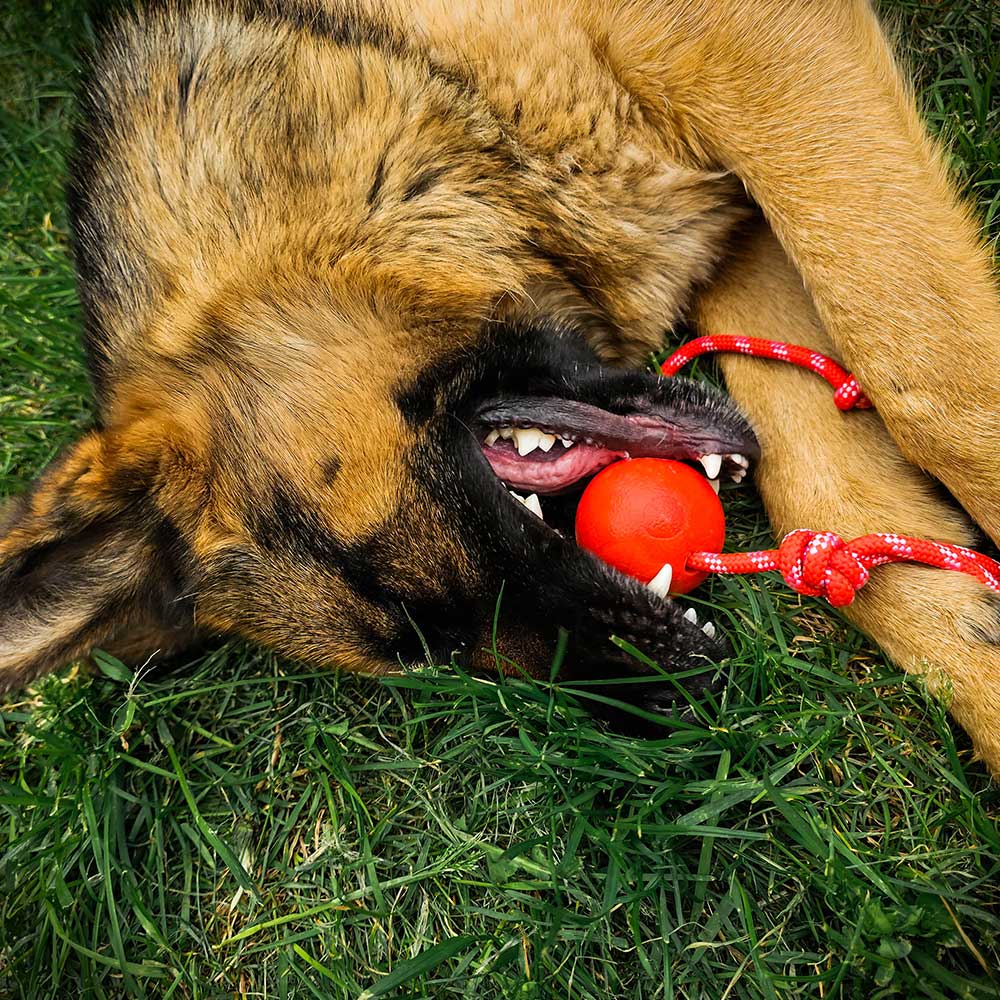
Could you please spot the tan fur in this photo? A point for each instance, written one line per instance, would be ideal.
(575, 161)
(805, 104)
(845, 470)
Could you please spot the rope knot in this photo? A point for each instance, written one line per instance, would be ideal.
(821, 564)
(849, 395)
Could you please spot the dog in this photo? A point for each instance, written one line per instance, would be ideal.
(353, 273)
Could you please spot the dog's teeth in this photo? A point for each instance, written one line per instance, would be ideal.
(533, 504)
(506, 433)
(742, 464)
(546, 441)
(712, 465)
(567, 443)
(714, 483)
(691, 615)
(709, 629)
(491, 438)
(526, 439)
(660, 584)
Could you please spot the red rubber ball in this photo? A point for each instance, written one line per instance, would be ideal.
(641, 513)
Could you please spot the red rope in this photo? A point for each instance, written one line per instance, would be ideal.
(821, 563)
(847, 393)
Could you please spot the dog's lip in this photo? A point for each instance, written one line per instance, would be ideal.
(601, 437)
(549, 474)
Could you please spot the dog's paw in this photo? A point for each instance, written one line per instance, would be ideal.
(946, 627)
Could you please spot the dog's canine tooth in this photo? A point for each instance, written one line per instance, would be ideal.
(660, 584)
(714, 483)
(691, 615)
(531, 502)
(526, 439)
(712, 465)
(546, 441)
(491, 438)
(709, 629)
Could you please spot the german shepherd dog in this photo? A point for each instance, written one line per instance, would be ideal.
(353, 272)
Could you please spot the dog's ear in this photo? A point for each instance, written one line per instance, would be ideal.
(87, 556)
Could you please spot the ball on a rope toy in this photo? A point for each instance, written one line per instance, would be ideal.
(642, 513)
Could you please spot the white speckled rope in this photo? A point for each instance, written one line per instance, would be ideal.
(847, 393)
(821, 563)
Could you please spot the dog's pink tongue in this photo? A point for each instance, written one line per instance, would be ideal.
(551, 473)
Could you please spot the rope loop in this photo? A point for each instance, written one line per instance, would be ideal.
(847, 393)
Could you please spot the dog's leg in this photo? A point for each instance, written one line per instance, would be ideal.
(804, 102)
(823, 469)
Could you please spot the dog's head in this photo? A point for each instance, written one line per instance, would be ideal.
(353, 505)
(334, 316)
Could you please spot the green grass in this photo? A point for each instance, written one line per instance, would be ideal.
(245, 827)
